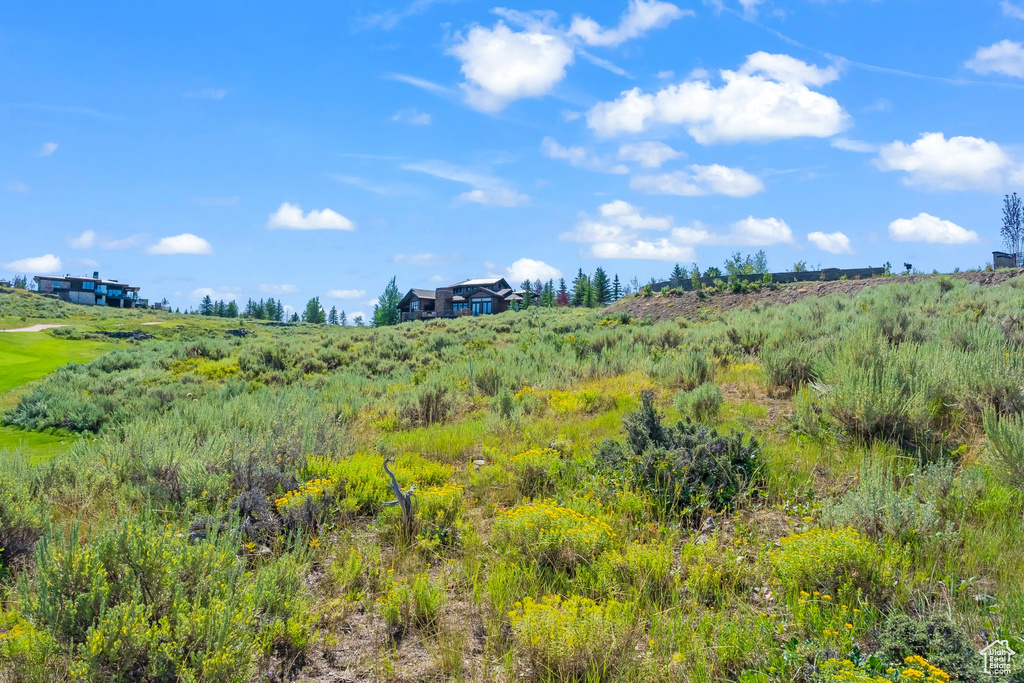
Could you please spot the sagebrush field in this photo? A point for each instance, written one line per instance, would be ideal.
(829, 490)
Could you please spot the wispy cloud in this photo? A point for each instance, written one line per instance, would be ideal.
(278, 290)
(421, 83)
(395, 190)
(413, 117)
(346, 293)
(47, 149)
(47, 263)
(66, 109)
(487, 189)
(391, 18)
(207, 94)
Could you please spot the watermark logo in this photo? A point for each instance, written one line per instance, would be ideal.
(997, 658)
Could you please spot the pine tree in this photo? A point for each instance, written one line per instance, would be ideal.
(358, 320)
(206, 305)
(386, 312)
(580, 287)
(231, 311)
(343, 319)
(332, 317)
(527, 288)
(314, 312)
(547, 297)
(602, 291)
(250, 308)
(590, 299)
(280, 311)
(562, 298)
(259, 310)
(616, 288)
(294, 318)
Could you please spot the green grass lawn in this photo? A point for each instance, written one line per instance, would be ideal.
(27, 356)
(36, 445)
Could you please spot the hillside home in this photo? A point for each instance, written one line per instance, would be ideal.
(90, 291)
(482, 296)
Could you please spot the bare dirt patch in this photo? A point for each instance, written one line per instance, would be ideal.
(691, 304)
(34, 328)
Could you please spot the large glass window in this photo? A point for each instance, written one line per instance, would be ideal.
(88, 285)
(481, 305)
(459, 307)
(414, 305)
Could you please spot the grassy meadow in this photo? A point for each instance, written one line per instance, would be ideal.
(831, 490)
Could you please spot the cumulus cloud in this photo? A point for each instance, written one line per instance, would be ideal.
(185, 243)
(413, 117)
(768, 98)
(43, 265)
(47, 149)
(290, 217)
(84, 241)
(640, 17)
(848, 145)
(832, 242)
(530, 269)
(697, 181)
(621, 232)
(959, 163)
(486, 190)
(648, 154)
(927, 228)
(501, 65)
(216, 293)
(580, 157)
(278, 290)
(346, 293)
(1005, 57)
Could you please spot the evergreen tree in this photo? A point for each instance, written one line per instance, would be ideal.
(527, 288)
(206, 305)
(280, 311)
(332, 317)
(547, 297)
(294, 318)
(250, 308)
(20, 282)
(600, 285)
(314, 312)
(259, 310)
(268, 309)
(219, 309)
(580, 286)
(562, 297)
(616, 288)
(386, 312)
(231, 310)
(677, 276)
(358, 320)
(590, 299)
(343, 319)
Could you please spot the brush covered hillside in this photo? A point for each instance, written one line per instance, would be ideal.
(829, 490)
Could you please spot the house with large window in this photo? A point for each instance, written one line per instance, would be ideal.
(90, 291)
(482, 296)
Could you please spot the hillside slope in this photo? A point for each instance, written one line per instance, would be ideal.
(673, 305)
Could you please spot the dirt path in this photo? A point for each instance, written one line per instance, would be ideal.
(34, 328)
(156, 323)
(689, 304)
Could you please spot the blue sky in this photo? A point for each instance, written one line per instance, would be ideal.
(317, 149)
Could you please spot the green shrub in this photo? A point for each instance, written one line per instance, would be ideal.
(551, 535)
(788, 366)
(21, 521)
(826, 559)
(536, 470)
(703, 403)
(934, 638)
(1006, 440)
(693, 370)
(685, 467)
(574, 638)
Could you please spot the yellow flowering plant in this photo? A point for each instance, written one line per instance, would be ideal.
(551, 534)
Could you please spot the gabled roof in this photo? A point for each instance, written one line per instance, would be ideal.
(419, 294)
(480, 282)
(484, 291)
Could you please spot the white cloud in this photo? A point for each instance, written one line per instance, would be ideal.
(697, 181)
(486, 189)
(278, 290)
(959, 163)
(640, 17)
(749, 232)
(421, 83)
(501, 65)
(619, 233)
(530, 269)
(927, 228)
(569, 115)
(216, 293)
(84, 241)
(290, 217)
(1005, 57)
(346, 293)
(47, 149)
(16, 186)
(413, 117)
(358, 314)
(750, 7)
(185, 243)
(36, 264)
(123, 243)
(832, 242)
(1011, 10)
(648, 154)
(848, 145)
(665, 74)
(580, 157)
(426, 259)
(207, 94)
(767, 99)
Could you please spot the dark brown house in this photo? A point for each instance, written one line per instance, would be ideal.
(481, 296)
(90, 291)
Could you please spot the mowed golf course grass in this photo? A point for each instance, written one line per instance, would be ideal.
(26, 357)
